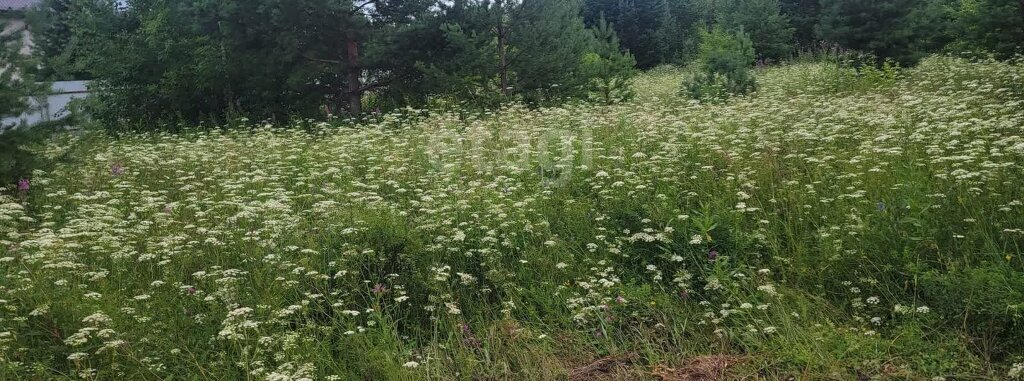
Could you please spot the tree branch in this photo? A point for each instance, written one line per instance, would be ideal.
(375, 85)
(360, 7)
(322, 60)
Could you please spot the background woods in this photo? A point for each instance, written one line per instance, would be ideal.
(167, 61)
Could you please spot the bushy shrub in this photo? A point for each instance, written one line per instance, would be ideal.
(724, 61)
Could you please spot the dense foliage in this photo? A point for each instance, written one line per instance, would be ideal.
(762, 20)
(835, 224)
(995, 26)
(160, 62)
(16, 88)
(654, 31)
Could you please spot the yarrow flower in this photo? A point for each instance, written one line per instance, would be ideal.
(1017, 371)
(697, 239)
(77, 356)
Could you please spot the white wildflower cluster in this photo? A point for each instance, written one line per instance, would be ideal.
(236, 324)
(1016, 371)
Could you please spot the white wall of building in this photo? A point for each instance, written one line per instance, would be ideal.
(49, 107)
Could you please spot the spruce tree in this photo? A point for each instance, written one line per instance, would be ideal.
(877, 27)
(763, 21)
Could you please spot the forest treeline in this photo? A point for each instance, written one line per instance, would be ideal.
(169, 61)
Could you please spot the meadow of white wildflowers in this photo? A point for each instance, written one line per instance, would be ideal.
(826, 227)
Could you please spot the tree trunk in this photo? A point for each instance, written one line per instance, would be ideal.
(502, 48)
(229, 96)
(607, 92)
(711, 16)
(354, 91)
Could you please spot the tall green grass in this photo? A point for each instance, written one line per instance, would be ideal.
(831, 225)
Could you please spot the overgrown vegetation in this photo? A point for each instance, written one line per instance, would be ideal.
(834, 224)
(490, 189)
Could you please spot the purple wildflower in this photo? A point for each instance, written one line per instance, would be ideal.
(713, 254)
(23, 185)
(117, 170)
(471, 342)
(379, 289)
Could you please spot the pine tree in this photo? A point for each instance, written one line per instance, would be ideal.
(211, 59)
(17, 159)
(52, 38)
(353, 40)
(650, 29)
(610, 71)
(16, 76)
(530, 49)
(466, 65)
(549, 39)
